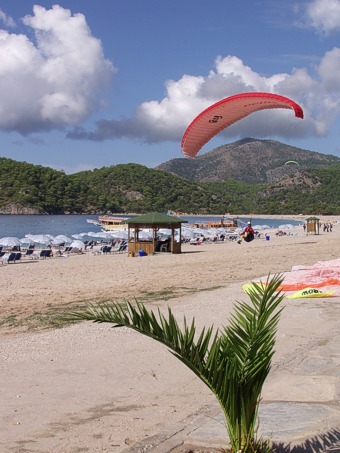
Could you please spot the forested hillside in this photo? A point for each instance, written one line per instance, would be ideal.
(27, 188)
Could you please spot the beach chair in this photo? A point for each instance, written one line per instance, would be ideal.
(46, 254)
(11, 257)
(18, 256)
(122, 248)
(163, 248)
(106, 249)
(196, 241)
(4, 257)
(28, 253)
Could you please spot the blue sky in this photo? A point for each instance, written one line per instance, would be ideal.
(92, 83)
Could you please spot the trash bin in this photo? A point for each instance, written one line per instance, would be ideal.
(267, 237)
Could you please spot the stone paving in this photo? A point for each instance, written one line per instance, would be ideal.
(305, 420)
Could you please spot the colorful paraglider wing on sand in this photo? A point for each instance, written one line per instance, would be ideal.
(249, 288)
(305, 293)
(310, 292)
(226, 112)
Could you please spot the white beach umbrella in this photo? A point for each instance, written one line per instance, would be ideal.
(286, 226)
(76, 236)
(120, 234)
(258, 227)
(45, 239)
(165, 231)
(200, 230)
(10, 241)
(104, 235)
(61, 239)
(212, 231)
(26, 241)
(144, 235)
(92, 233)
(77, 244)
(186, 233)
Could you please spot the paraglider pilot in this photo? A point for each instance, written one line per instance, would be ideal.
(247, 234)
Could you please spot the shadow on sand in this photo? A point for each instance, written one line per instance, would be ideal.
(329, 441)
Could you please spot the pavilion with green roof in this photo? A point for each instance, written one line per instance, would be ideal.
(154, 221)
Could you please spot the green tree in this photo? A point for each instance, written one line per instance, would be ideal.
(233, 362)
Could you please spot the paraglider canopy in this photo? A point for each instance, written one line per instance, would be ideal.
(292, 162)
(226, 112)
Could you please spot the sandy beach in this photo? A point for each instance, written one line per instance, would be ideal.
(90, 388)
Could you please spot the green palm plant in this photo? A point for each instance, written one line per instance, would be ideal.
(233, 362)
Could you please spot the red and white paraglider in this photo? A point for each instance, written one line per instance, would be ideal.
(226, 112)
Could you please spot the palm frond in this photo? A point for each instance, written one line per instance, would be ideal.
(234, 362)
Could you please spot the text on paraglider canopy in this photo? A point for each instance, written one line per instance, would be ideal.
(215, 119)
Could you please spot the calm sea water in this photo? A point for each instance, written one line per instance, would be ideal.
(19, 225)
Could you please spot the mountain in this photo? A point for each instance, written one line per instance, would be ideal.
(248, 160)
(312, 187)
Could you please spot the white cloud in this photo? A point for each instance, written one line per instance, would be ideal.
(55, 81)
(329, 70)
(8, 21)
(156, 121)
(324, 15)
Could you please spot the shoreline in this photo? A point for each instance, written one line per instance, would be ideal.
(71, 279)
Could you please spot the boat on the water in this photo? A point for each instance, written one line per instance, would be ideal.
(230, 224)
(112, 223)
(109, 222)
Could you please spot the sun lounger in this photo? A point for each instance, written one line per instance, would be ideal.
(5, 257)
(11, 257)
(122, 248)
(28, 253)
(196, 242)
(46, 254)
(106, 249)
(18, 256)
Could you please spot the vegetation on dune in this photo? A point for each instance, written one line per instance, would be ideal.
(233, 362)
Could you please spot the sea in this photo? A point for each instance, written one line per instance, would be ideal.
(19, 225)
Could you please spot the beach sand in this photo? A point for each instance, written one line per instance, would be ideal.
(91, 388)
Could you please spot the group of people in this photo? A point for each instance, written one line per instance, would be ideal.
(327, 227)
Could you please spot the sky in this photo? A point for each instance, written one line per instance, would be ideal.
(91, 83)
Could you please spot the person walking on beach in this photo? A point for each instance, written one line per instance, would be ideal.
(247, 234)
